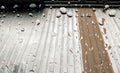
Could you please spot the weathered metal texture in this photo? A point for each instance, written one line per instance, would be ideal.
(111, 34)
(53, 46)
(95, 55)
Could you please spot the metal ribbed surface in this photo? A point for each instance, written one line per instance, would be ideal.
(111, 34)
(51, 47)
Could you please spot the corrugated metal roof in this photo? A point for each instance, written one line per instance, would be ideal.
(112, 36)
(51, 47)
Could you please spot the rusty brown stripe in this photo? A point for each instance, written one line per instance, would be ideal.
(95, 57)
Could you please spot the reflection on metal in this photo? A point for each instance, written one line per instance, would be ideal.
(51, 46)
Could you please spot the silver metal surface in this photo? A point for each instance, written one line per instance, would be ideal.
(51, 47)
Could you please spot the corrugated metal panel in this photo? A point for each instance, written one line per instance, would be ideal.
(95, 55)
(112, 36)
(51, 47)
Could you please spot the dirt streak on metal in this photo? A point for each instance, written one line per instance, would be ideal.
(95, 57)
